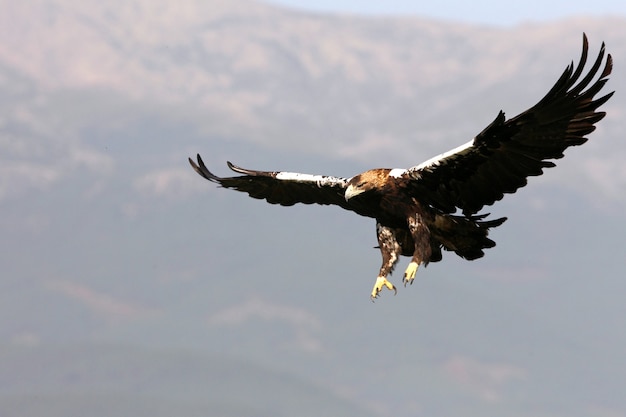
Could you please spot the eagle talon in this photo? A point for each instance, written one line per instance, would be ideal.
(409, 274)
(378, 287)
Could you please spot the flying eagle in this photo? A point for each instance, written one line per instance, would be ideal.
(433, 206)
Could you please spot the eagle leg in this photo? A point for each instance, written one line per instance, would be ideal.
(421, 253)
(390, 250)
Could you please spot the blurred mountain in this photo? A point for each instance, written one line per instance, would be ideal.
(109, 239)
(117, 381)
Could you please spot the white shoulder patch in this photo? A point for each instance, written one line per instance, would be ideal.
(397, 172)
(439, 158)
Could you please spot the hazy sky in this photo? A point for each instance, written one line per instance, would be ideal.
(131, 286)
(483, 11)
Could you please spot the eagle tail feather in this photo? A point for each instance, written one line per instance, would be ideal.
(467, 236)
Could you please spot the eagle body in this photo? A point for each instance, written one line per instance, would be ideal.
(435, 205)
(404, 226)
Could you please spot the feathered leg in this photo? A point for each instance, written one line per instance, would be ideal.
(422, 251)
(390, 250)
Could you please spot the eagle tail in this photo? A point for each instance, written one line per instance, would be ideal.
(467, 236)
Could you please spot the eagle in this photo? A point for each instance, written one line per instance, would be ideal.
(435, 205)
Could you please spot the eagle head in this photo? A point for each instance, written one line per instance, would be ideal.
(371, 180)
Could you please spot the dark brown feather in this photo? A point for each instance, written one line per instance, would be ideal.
(505, 153)
(265, 185)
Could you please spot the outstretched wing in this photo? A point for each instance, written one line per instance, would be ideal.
(502, 156)
(284, 188)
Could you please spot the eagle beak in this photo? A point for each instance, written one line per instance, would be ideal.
(352, 191)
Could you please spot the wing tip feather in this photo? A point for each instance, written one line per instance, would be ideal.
(232, 166)
(202, 170)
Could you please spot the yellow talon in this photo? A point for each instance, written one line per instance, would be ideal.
(380, 283)
(409, 274)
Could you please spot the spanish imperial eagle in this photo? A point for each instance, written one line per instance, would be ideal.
(433, 206)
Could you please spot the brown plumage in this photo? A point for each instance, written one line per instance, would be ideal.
(417, 209)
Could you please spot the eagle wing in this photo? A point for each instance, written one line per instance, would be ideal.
(284, 188)
(505, 153)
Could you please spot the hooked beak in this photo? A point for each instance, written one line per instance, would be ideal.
(352, 191)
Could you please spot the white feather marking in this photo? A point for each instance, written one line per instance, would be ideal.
(397, 172)
(439, 158)
(319, 180)
(295, 176)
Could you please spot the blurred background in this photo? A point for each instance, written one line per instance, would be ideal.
(131, 286)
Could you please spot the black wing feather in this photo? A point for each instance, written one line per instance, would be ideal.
(270, 186)
(506, 152)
